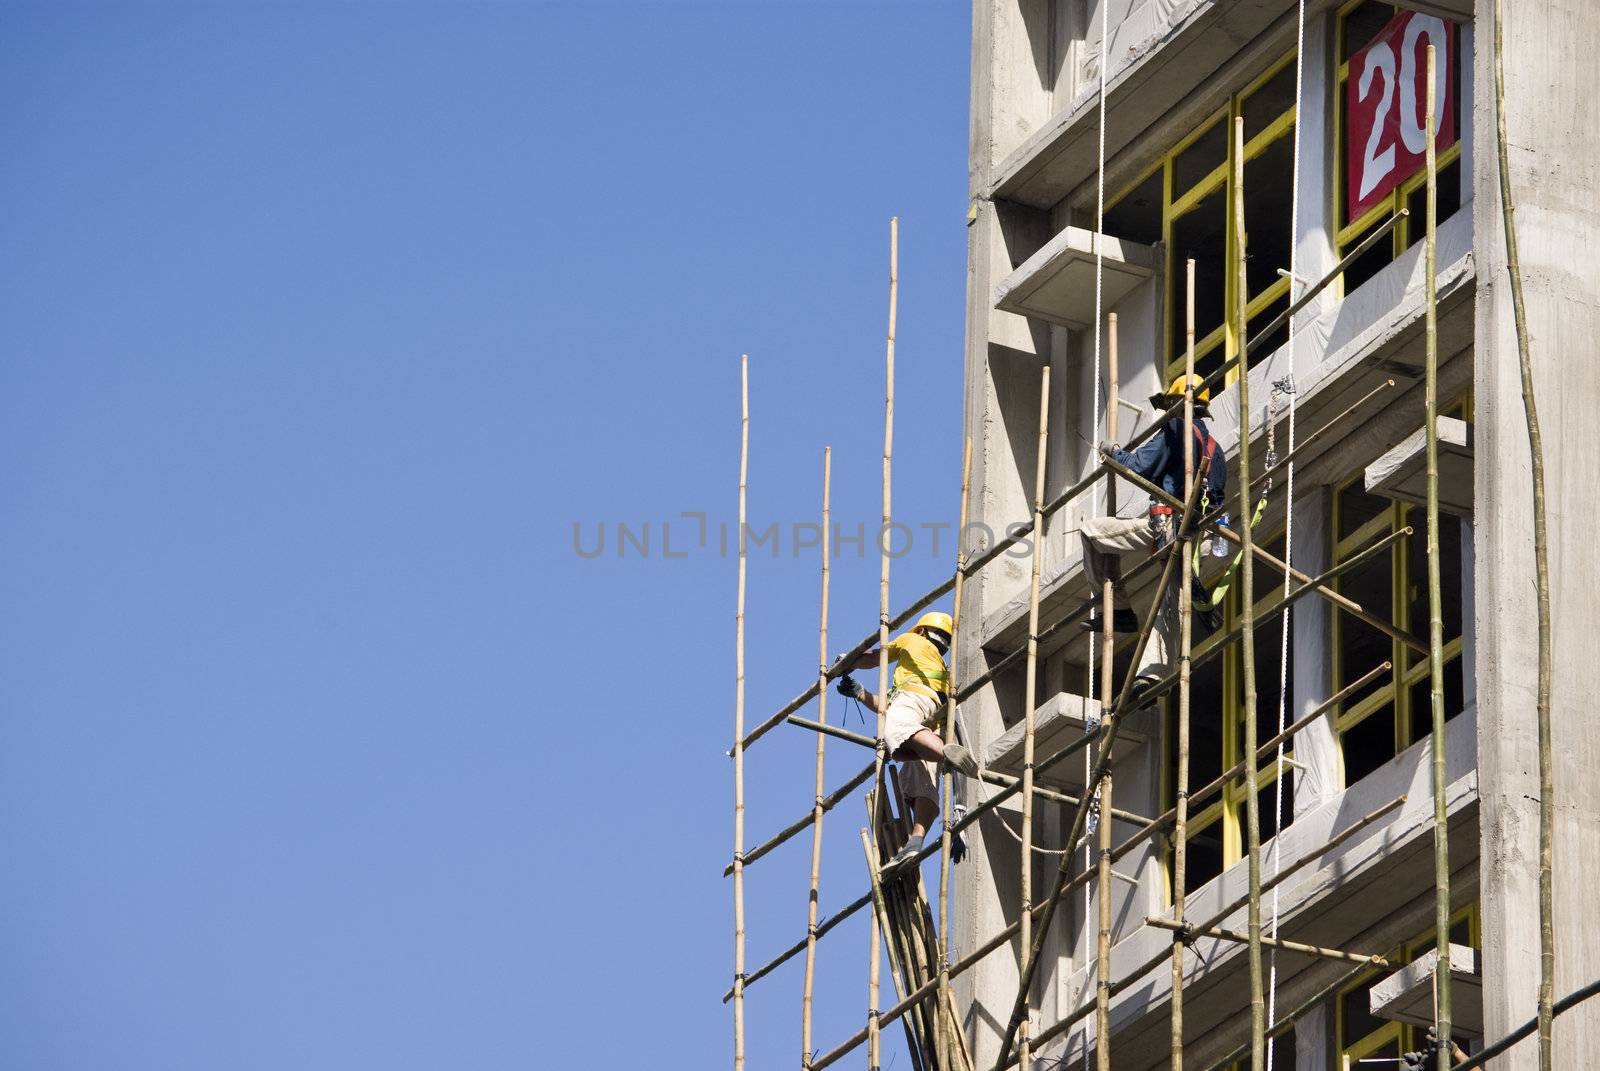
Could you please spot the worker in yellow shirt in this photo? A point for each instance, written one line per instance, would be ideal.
(914, 711)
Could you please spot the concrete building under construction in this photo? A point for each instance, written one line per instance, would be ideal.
(1281, 148)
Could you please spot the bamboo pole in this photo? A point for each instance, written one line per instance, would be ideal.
(1258, 1002)
(874, 861)
(1541, 567)
(1155, 691)
(1180, 834)
(1441, 825)
(1030, 685)
(1188, 933)
(820, 807)
(1102, 1038)
(943, 588)
(873, 1054)
(738, 728)
(948, 1026)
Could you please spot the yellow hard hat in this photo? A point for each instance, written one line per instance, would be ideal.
(1174, 393)
(937, 619)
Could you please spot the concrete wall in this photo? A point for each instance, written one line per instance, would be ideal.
(1552, 83)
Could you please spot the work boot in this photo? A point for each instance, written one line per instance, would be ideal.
(903, 858)
(1122, 620)
(961, 760)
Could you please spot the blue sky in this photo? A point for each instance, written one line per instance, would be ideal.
(321, 327)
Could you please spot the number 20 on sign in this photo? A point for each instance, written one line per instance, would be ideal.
(1385, 136)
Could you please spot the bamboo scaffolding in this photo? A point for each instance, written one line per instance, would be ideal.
(1067, 1022)
(1180, 835)
(820, 806)
(1541, 564)
(1030, 679)
(1441, 824)
(1190, 933)
(1102, 1038)
(948, 1026)
(1110, 725)
(1155, 691)
(1004, 936)
(944, 587)
(873, 1054)
(738, 728)
(1247, 597)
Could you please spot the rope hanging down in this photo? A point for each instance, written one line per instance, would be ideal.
(1286, 387)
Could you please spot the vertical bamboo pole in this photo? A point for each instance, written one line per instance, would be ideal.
(1541, 567)
(874, 1055)
(738, 729)
(1030, 697)
(1247, 595)
(816, 807)
(1180, 846)
(946, 1004)
(1102, 997)
(1441, 829)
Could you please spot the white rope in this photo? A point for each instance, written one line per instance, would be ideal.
(1099, 277)
(1288, 529)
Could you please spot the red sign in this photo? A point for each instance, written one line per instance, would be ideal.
(1385, 100)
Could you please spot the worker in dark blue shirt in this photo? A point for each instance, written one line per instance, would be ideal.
(1106, 539)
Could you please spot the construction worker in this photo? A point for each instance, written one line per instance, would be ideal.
(1106, 539)
(915, 708)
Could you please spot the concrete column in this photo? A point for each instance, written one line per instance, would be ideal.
(1552, 83)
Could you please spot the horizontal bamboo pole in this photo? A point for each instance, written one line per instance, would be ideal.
(1066, 1023)
(804, 822)
(1190, 933)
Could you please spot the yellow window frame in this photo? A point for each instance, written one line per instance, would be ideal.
(1412, 668)
(1228, 809)
(1176, 204)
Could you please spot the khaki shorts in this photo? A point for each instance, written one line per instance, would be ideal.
(908, 714)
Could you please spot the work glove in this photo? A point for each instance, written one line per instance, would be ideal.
(848, 687)
(1108, 447)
